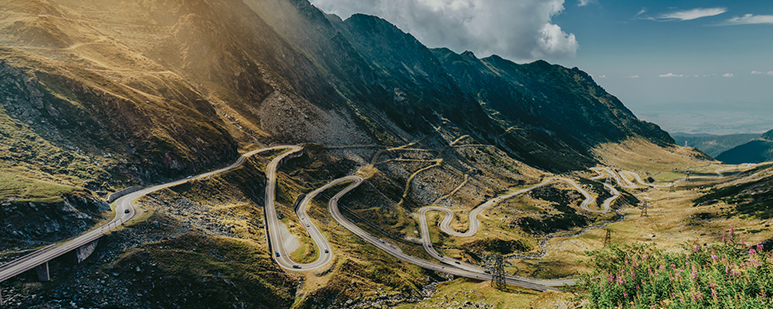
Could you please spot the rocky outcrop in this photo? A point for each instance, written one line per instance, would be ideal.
(25, 225)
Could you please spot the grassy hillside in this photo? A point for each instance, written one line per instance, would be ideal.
(752, 152)
(748, 199)
(756, 151)
(98, 96)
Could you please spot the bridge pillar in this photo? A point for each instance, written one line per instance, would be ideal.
(83, 252)
(1, 298)
(43, 274)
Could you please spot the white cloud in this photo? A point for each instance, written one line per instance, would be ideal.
(671, 75)
(586, 2)
(632, 76)
(728, 75)
(643, 10)
(602, 76)
(520, 30)
(750, 19)
(762, 73)
(692, 14)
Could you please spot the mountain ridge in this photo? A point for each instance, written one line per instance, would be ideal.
(755, 151)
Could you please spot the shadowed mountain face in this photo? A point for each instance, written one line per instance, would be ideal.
(543, 114)
(549, 113)
(756, 151)
(768, 135)
(163, 88)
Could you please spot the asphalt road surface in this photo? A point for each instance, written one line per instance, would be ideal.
(125, 211)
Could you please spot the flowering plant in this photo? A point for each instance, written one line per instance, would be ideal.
(725, 275)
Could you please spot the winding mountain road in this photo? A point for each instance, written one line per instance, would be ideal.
(391, 249)
(125, 211)
(474, 223)
(625, 183)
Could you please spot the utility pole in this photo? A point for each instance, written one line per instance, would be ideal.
(607, 237)
(644, 207)
(496, 265)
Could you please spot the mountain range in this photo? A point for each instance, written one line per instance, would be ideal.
(755, 151)
(100, 96)
(712, 144)
(173, 86)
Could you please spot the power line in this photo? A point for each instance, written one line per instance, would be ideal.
(496, 265)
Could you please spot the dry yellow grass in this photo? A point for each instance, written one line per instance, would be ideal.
(639, 155)
(455, 293)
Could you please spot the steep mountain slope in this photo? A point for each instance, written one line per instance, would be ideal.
(413, 85)
(550, 114)
(712, 144)
(751, 196)
(759, 150)
(100, 96)
(97, 96)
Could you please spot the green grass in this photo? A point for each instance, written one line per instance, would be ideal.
(475, 291)
(25, 151)
(29, 190)
(669, 176)
(725, 275)
(306, 252)
(217, 268)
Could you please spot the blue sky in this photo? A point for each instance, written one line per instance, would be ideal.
(617, 43)
(693, 66)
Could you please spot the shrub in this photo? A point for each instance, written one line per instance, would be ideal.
(725, 275)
